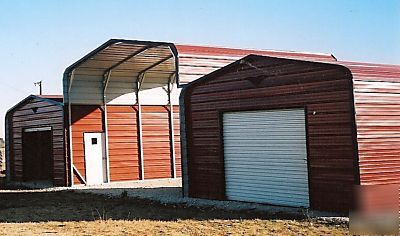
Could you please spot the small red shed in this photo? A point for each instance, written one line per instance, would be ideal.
(291, 132)
(35, 140)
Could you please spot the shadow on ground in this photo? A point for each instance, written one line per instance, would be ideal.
(69, 205)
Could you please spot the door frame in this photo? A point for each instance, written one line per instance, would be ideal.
(31, 129)
(263, 108)
(106, 167)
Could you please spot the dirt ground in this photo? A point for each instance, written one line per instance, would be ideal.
(72, 213)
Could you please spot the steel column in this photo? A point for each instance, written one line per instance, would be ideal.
(105, 85)
(71, 157)
(140, 128)
(8, 147)
(171, 128)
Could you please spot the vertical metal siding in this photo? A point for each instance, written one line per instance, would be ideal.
(47, 114)
(265, 157)
(325, 91)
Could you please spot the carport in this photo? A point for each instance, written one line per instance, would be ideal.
(105, 95)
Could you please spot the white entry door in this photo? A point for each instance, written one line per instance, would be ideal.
(94, 155)
(266, 157)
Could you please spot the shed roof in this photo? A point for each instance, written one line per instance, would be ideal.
(54, 99)
(57, 98)
(212, 51)
(197, 61)
(359, 70)
(373, 71)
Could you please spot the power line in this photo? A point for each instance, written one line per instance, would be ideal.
(15, 88)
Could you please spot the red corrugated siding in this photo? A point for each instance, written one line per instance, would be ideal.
(123, 143)
(85, 118)
(123, 140)
(177, 140)
(47, 114)
(156, 144)
(325, 91)
(377, 104)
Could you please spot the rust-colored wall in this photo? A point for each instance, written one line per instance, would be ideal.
(123, 140)
(324, 90)
(377, 103)
(47, 114)
(85, 118)
(123, 143)
(177, 139)
(156, 142)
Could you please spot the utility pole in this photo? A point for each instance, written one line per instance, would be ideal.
(39, 83)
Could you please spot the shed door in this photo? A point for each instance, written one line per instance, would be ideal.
(94, 155)
(37, 154)
(266, 157)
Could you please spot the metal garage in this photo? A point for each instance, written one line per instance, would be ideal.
(35, 141)
(291, 132)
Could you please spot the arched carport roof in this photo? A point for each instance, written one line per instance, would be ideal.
(107, 70)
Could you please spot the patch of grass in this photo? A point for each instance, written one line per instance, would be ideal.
(179, 227)
(71, 213)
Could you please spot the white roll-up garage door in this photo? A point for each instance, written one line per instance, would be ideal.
(265, 156)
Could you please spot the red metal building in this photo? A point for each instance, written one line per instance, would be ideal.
(126, 92)
(291, 132)
(35, 140)
(121, 115)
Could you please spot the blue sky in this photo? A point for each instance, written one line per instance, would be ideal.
(40, 38)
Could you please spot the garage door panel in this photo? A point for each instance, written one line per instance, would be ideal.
(256, 150)
(276, 200)
(290, 158)
(271, 142)
(276, 192)
(271, 168)
(265, 157)
(256, 174)
(296, 185)
(272, 163)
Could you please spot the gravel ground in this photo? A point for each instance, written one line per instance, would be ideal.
(169, 191)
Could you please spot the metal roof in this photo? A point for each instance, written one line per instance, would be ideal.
(119, 60)
(118, 68)
(53, 99)
(241, 52)
(358, 70)
(197, 61)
